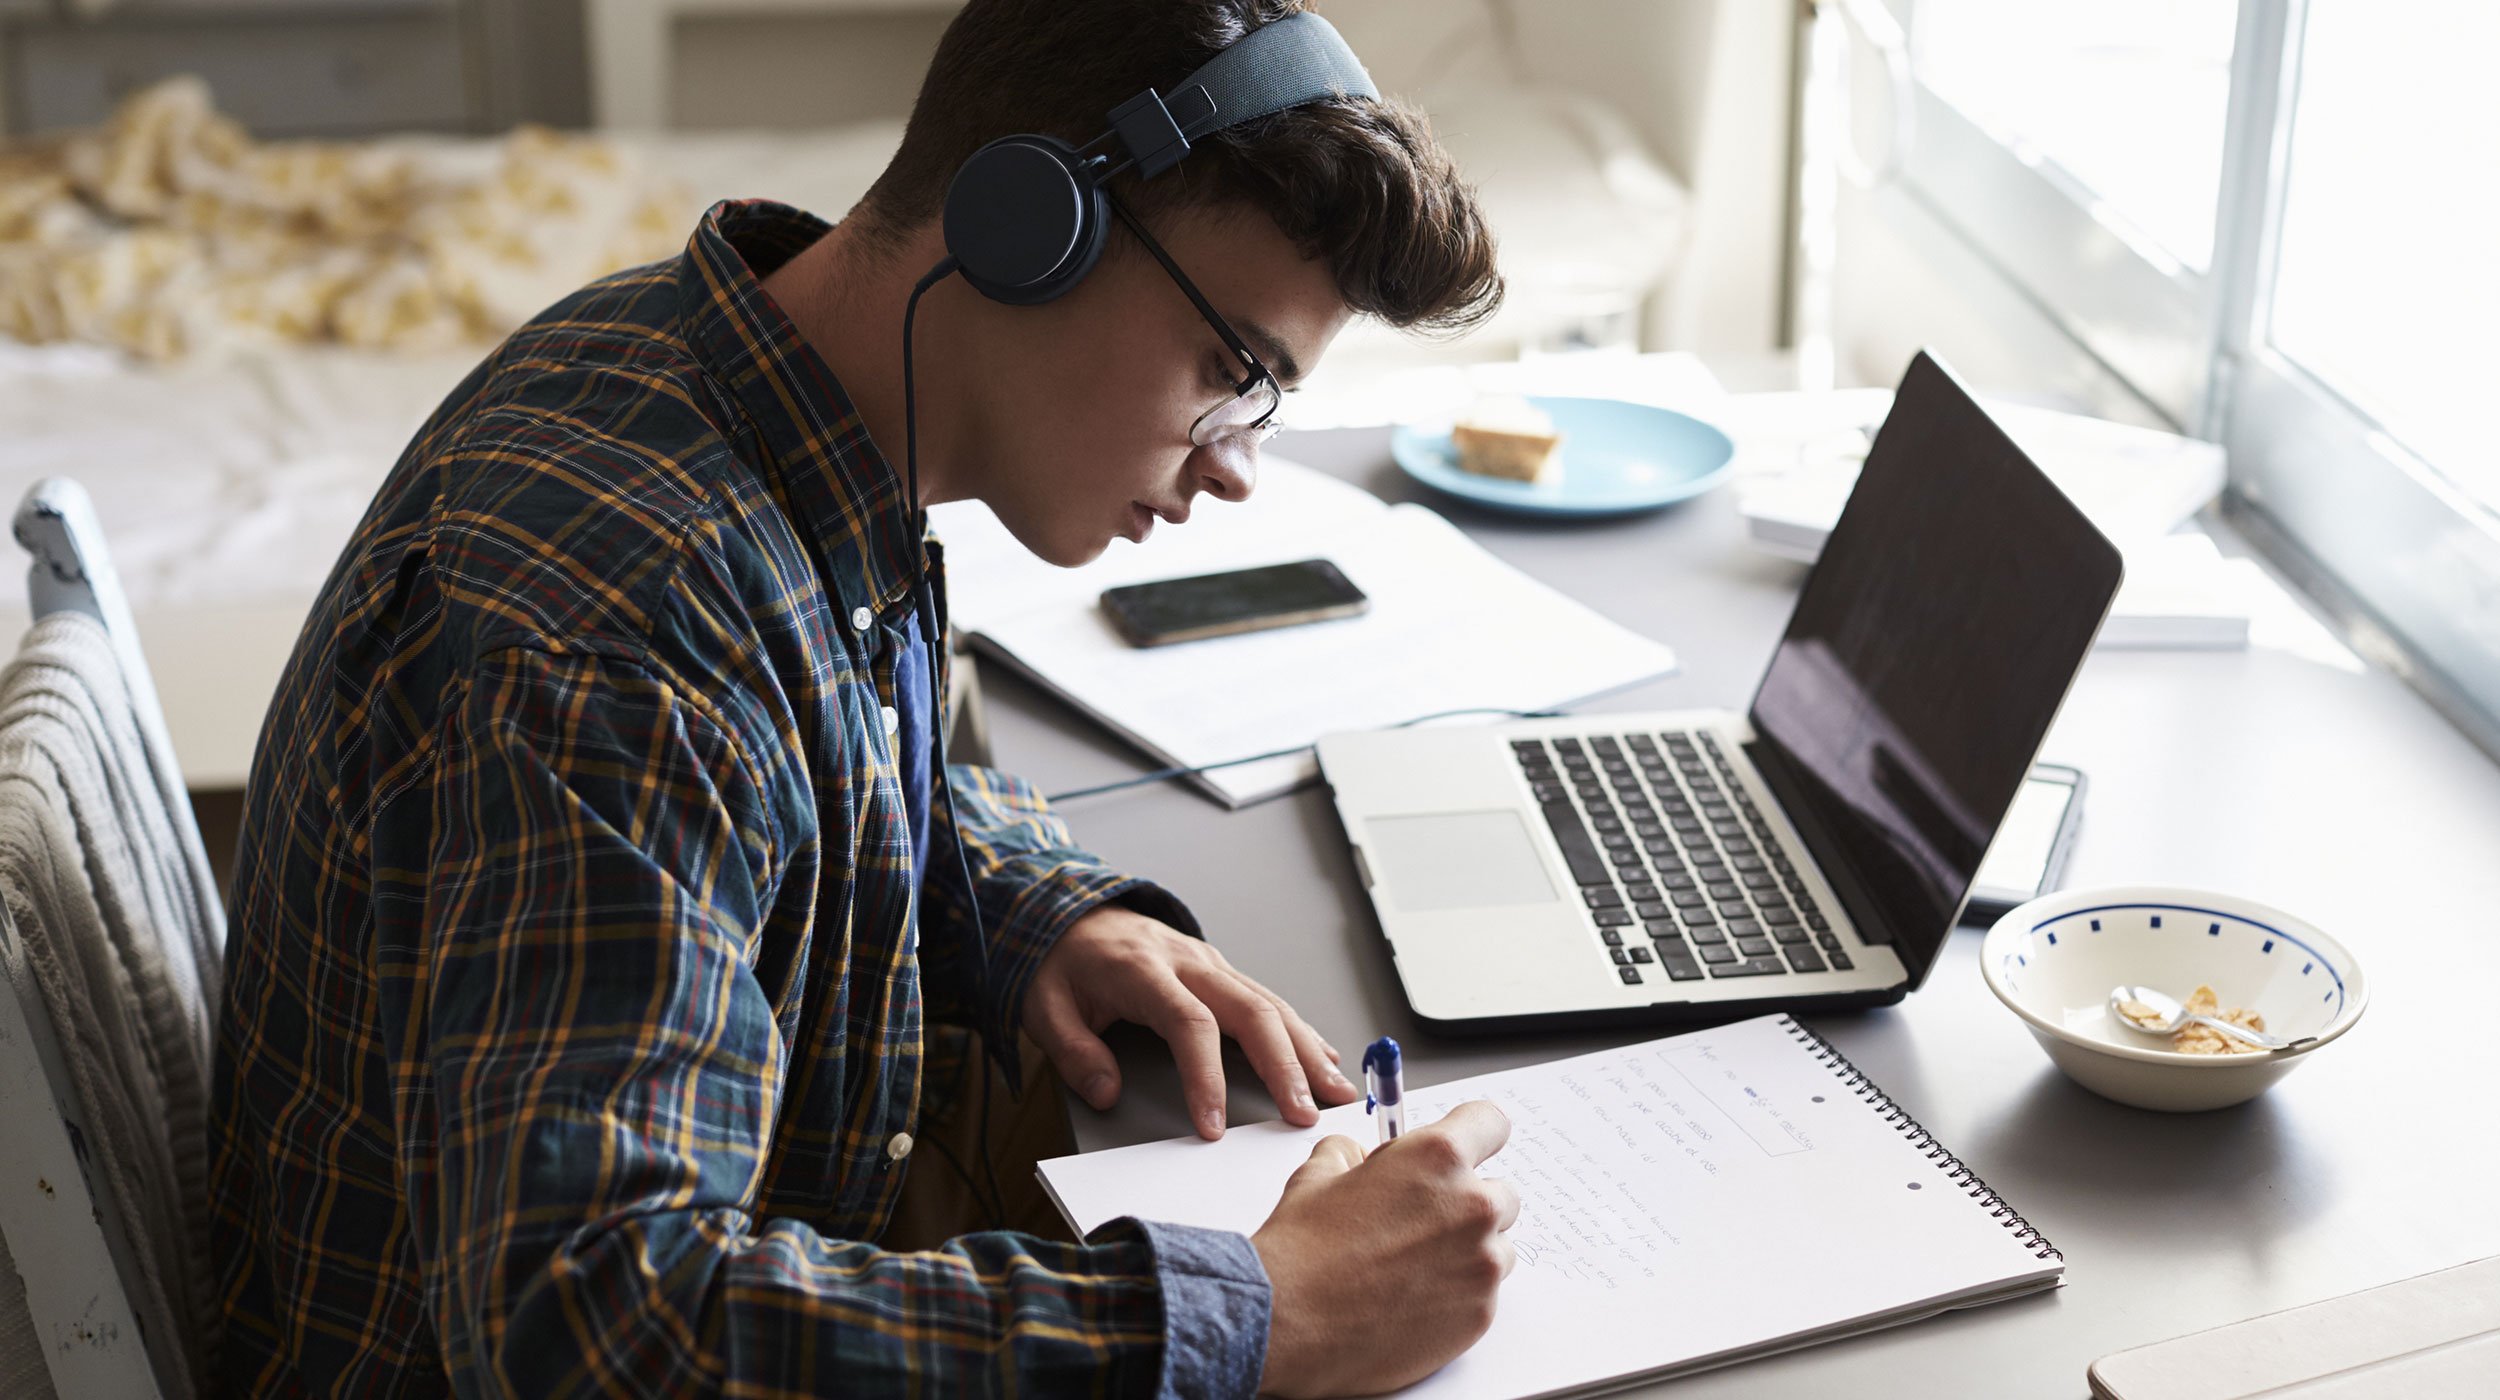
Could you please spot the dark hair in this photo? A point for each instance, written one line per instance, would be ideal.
(1359, 182)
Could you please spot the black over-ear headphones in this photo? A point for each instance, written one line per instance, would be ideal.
(1026, 216)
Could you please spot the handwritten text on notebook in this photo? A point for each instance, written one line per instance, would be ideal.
(1596, 1149)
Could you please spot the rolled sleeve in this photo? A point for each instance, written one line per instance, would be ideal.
(1216, 1304)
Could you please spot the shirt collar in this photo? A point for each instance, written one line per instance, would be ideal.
(842, 488)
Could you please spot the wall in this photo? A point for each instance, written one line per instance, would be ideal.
(309, 68)
(796, 71)
(1707, 82)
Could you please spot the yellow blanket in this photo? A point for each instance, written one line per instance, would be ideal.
(170, 232)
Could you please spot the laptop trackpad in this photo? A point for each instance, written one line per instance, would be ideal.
(1456, 860)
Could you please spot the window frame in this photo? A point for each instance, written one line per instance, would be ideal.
(2411, 559)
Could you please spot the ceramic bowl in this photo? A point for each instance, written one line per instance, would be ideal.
(2054, 960)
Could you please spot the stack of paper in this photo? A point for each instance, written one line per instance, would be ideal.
(2181, 594)
(1800, 453)
(1451, 628)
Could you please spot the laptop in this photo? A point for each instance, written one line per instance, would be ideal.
(1813, 852)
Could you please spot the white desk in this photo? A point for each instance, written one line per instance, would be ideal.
(2333, 793)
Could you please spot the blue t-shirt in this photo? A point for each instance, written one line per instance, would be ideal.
(915, 733)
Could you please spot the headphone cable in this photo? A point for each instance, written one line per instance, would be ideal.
(922, 608)
(1191, 771)
(945, 268)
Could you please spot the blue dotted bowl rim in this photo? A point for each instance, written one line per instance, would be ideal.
(1999, 947)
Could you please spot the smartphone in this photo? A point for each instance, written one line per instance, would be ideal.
(1244, 600)
(2028, 857)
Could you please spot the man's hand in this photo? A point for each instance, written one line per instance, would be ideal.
(1385, 1268)
(1115, 964)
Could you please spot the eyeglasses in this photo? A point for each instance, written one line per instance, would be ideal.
(1251, 411)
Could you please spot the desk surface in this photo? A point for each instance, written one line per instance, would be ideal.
(2328, 790)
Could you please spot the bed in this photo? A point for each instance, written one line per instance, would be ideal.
(227, 485)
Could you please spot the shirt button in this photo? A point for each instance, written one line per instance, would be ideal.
(893, 721)
(862, 619)
(898, 1147)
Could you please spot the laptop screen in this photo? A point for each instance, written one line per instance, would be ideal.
(1949, 611)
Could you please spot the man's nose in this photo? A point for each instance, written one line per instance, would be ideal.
(1229, 469)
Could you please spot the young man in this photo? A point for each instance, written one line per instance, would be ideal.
(598, 945)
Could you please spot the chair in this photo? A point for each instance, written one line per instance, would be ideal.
(111, 941)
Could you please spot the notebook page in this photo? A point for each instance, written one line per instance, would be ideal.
(1718, 1192)
(1450, 627)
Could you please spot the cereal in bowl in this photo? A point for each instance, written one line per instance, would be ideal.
(2194, 1039)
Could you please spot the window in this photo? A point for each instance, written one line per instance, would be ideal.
(2273, 220)
(2387, 287)
(2122, 99)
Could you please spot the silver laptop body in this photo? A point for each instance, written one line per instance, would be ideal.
(1811, 852)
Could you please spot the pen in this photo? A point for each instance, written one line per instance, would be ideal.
(1384, 1087)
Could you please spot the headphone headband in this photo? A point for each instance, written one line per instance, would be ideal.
(1300, 58)
(1025, 218)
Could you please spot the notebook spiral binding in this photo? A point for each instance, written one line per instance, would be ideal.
(1855, 1081)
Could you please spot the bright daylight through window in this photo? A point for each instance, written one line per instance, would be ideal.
(2124, 98)
(2387, 289)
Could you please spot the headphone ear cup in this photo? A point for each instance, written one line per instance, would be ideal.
(1022, 223)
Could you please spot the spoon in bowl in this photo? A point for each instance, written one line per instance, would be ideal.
(2159, 1013)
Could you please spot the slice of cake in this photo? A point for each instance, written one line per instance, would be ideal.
(1506, 436)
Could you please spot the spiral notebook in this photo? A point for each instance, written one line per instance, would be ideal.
(1686, 1203)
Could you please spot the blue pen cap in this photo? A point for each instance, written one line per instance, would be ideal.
(1383, 1076)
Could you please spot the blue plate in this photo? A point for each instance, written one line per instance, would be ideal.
(1617, 458)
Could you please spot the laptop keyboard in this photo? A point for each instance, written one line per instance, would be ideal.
(1680, 872)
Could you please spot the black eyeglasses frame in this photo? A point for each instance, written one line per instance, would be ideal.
(1257, 371)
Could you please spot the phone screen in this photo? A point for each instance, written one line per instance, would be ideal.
(1244, 600)
(2025, 858)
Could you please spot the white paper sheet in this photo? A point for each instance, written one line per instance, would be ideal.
(1689, 1201)
(1450, 628)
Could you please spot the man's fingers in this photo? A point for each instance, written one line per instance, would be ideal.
(1197, 1044)
(1089, 1067)
(1506, 1203)
(1246, 1014)
(1475, 1128)
(1335, 1155)
(1319, 1059)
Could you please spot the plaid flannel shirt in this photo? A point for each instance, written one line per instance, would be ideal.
(578, 965)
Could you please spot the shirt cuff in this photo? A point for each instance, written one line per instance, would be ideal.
(1216, 1303)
